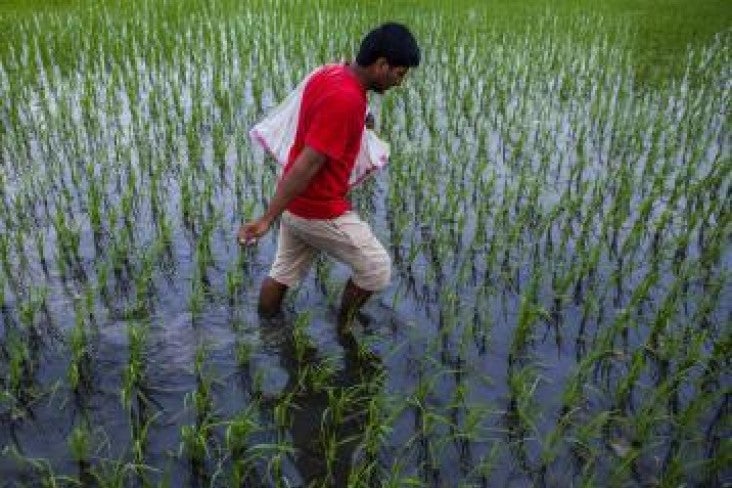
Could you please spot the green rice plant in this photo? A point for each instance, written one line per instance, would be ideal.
(193, 143)
(316, 377)
(3, 304)
(282, 410)
(708, 303)
(303, 344)
(133, 376)
(102, 279)
(79, 442)
(449, 316)
(165, 232)
(274, 468)
(651, 413)
(197, 295)
(78, 343)
(94, 200)
(39, 241)
(219, 148)
(195, 438)
(243, 353)
(522, 408)
(486, 464)
(471, 429)
(20, 250)
(339, 400)
(203, 254)
(144, 285)
(330, 444)
(527, 316)
(363, 475)
(140, 436)
(586, 437)
(186, 198)
(194, 443)
(19, 368)
(80, 367)
(428, 424)
(29, 310)
(237, 438)
(234, 281)
(626, 384)
(328, 286)
(127, 211)
(395, 478)
(381, 413)
(674, 471)
(5, 254)
(201, 398)
(240, 429)
(40, 467)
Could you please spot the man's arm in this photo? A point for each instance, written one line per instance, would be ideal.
(307, 165)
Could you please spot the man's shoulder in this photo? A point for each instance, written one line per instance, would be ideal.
(337, 100)
(331, 82)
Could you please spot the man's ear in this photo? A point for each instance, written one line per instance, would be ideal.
(381, 63)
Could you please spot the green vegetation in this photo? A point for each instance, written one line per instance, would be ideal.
(557, 206)
(662, 30)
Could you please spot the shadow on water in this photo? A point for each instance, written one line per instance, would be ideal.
(328, 411)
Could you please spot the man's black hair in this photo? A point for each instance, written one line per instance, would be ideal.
(391, 41)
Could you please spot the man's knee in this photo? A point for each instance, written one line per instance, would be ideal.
(377, 274)
(384, 272)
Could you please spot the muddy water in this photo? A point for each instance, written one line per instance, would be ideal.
(441, 334)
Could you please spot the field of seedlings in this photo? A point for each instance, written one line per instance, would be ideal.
(560, 312)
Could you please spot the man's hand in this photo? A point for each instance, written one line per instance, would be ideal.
(250, 232)
(307, 164)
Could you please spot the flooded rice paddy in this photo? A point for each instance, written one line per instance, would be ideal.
(559, 313)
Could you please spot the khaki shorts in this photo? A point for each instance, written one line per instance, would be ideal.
(346, 238)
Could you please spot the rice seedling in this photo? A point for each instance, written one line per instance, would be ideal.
(80, 445)
(133, 377)
(303, 345)
(18, 375)
(238, 436)
(316, 377)
(80, 367)
(40, 467)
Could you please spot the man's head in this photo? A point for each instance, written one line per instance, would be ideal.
(386, 54)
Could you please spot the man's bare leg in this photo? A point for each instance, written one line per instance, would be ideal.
(352, 300)
(271, 295)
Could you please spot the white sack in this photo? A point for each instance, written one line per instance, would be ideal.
(276, 134)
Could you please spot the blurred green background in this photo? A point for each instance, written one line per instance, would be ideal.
(661, 29)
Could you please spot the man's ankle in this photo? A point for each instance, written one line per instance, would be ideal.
(269, 312)
(353, 298)
(271, 295)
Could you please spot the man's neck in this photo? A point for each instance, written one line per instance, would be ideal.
(360, 73)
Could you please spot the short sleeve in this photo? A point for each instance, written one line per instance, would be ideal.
(337, 121)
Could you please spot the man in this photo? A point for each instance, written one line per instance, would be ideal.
(311, 195)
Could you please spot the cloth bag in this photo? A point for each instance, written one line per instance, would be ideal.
(276, 134)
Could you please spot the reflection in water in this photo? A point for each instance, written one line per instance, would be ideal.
(327, 416)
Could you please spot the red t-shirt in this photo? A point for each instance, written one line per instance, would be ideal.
(331, 121)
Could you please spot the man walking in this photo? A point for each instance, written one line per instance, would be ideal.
(311, 195)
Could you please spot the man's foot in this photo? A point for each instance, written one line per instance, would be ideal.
(271, 295)
(351, 301)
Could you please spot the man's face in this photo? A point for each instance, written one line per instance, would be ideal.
(387, 76)
(396, 75)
